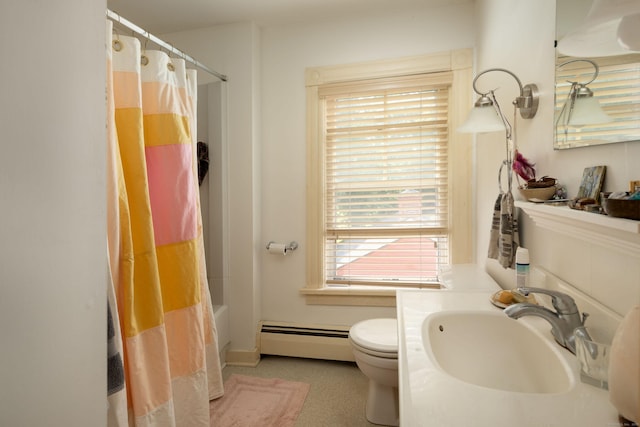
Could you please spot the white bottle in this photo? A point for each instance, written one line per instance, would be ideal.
(522, 267)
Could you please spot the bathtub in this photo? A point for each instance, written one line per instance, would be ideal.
(221, 314)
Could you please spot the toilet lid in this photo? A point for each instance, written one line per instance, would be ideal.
(380, 335)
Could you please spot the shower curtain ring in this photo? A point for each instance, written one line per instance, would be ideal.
(116, 43)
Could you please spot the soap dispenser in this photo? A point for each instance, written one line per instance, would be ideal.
(522, 267)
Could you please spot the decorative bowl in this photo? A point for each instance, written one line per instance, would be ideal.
(622, 208)
(544, 182)
(536, 194)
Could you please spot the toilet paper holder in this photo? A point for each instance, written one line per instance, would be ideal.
(292, 246)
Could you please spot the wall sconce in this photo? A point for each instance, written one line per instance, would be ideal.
(487, 116)
(612, 27)
(483, 118)
(628, 32)
(581, 108)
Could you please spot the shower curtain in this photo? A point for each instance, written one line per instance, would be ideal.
(156, 251)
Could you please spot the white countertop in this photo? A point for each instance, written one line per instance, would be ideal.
(466, 277)
(431, 398)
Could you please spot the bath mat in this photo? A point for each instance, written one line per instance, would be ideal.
(252, 401)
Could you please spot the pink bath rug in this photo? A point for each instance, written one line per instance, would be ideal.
(258, 402)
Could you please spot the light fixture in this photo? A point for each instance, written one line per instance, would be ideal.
(483, 117)
(580, 107)
(487, 116)
(610, 28)
(628, 32)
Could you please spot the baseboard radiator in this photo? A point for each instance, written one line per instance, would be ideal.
(310, 341)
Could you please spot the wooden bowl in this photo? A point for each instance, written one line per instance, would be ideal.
(622, 208)
(535, 194)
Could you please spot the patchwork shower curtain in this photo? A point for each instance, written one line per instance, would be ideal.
(156, 251)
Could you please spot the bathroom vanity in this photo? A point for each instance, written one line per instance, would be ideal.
(462, 361)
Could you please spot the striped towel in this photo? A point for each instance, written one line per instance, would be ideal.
(504, 239)
(115, 368)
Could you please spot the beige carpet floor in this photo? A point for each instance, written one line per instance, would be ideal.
(337, 393)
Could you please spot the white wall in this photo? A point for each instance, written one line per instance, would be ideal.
(286, 52)
(53, 261)
(212, 112)
(518, 35)
(267, 142)
(234, 50)
(267, 162)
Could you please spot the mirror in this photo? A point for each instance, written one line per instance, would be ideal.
(615, 82)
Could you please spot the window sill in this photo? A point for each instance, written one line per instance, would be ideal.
(351, 295)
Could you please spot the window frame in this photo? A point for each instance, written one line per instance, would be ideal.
(459, 63)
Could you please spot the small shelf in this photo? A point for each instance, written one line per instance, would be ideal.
(618, 232)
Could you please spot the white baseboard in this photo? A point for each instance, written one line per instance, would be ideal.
(243, 357)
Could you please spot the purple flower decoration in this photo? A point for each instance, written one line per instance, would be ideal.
(523, 167)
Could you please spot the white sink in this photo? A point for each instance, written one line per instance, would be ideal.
(485, 369)
(491, 350)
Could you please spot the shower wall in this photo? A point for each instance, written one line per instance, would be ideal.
(213, 200)
(213, 196)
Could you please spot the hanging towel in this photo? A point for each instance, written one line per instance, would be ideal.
(203, 161)
(115, 368)
(503, 239)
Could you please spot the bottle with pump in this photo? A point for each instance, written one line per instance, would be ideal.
(522, 267)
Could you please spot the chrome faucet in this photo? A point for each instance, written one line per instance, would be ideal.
(563, 321)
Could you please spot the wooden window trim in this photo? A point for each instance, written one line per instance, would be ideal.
(459, 63)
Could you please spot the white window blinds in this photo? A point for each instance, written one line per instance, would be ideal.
(386, 180)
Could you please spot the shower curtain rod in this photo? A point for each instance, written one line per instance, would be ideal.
(136, 29)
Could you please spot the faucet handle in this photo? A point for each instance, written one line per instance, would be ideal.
(562, 302)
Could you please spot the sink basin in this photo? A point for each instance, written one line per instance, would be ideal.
(491, 350)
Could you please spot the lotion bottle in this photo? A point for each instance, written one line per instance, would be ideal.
(522, 267)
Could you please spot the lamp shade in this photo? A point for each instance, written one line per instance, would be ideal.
(599, 33)
(629, 32)
(586, 111)
(482, 119)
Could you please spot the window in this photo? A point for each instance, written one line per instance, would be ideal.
(380, 161)
(385, 168)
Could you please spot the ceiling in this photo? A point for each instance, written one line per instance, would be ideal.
(166, 16)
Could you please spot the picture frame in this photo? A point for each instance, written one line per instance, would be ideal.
(591, 184)
(634, 186)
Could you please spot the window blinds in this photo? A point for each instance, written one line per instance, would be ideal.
(386, 180)
(616, 88)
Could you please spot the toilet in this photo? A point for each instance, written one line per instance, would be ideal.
(375, 348)
(375, 345)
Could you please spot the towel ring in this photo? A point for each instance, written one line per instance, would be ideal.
(508, 164)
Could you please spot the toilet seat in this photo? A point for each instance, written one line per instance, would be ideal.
(376, 337)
